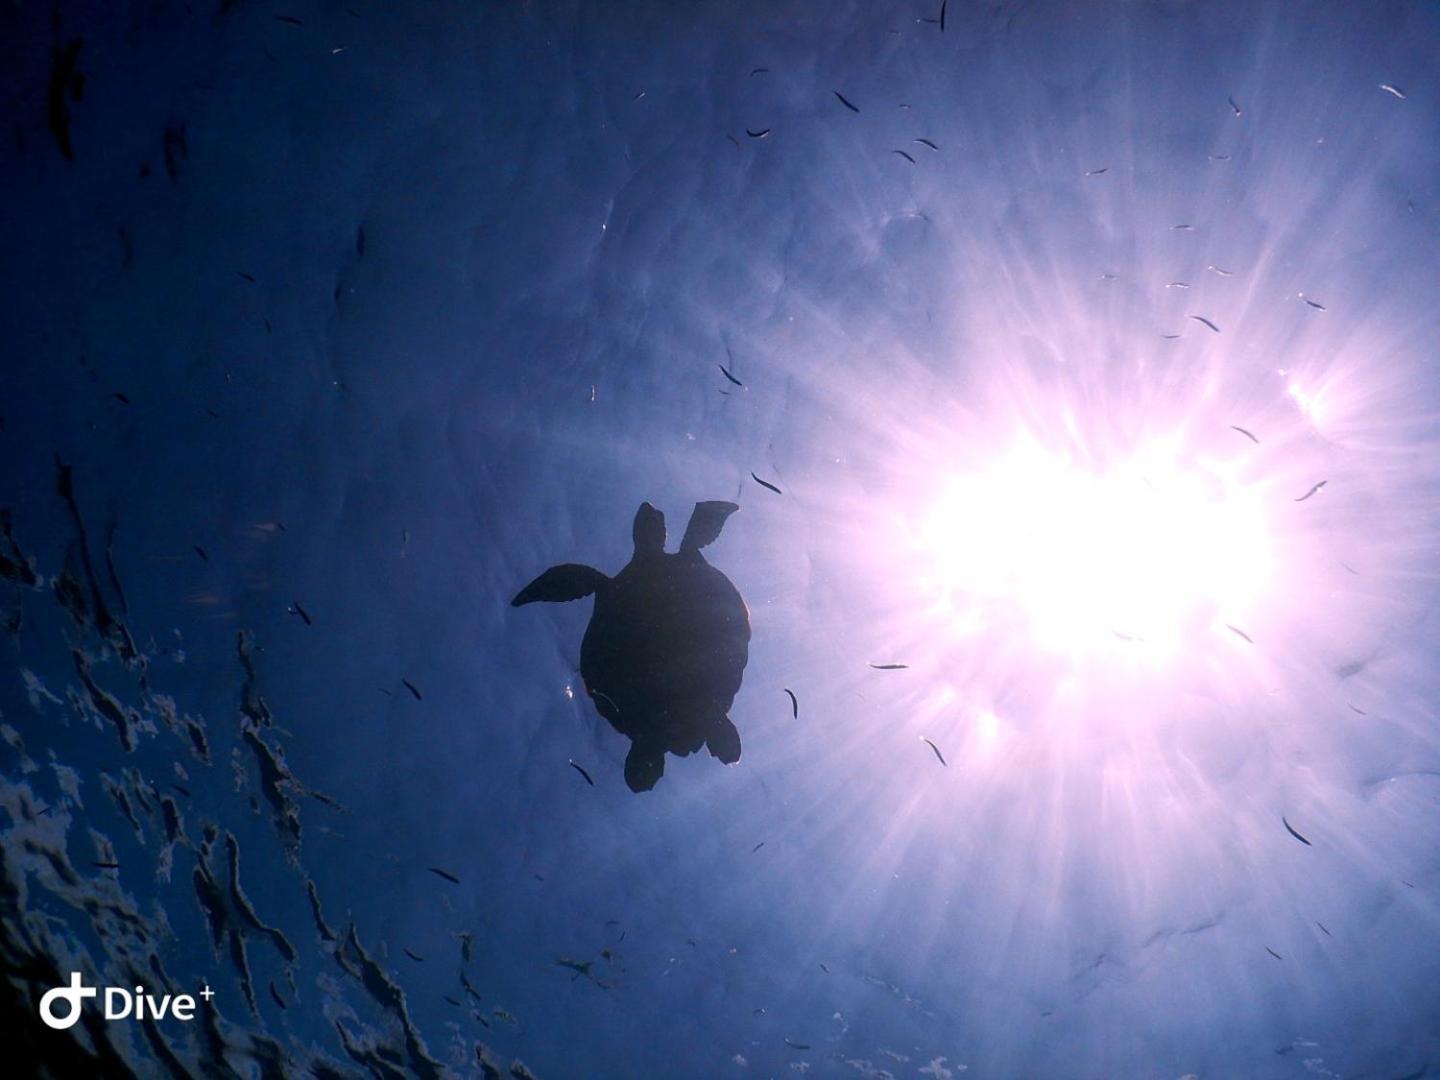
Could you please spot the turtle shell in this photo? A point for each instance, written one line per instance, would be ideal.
(665, 650)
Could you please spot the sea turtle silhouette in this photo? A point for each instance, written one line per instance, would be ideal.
(665, 650)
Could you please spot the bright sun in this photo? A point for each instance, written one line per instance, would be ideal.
(1144, 553)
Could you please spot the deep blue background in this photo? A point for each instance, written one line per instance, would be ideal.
(561, 243)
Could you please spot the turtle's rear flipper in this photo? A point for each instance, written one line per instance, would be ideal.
(644, 766)
(724, 741)
(706, 521)
(568, 581)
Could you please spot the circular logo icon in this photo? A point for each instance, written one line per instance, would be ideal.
(72, 996)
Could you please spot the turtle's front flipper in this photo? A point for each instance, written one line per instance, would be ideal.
(568, 581)
(644, 766)
(724, 741)
(706, 521)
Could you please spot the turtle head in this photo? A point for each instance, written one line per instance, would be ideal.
(649, 531)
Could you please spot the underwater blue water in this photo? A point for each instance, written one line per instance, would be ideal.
(346, 320)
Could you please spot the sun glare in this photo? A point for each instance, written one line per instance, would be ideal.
(1145, 554)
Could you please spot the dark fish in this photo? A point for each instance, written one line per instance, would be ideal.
(182, 790)
(737, 147)
(204, 555)
(176, 147)
(414, 956)
(1273, 953)
(1231, 100)
(638, 96)
(1097, 172)
(903, 154)
(943, 4)
(275, 995)
(246, 276)
(794, 703)
(796, 1045)
(1242, 633)
(445, 874)
(757, 134)
(106, 865)
(452, 1001)
(413, 689)
(291, 19)
(757, 847)
(889, 667)
(360, 241)
(938, 755)
(1312, 303)
(927, 142)
(823, 968)
(765, 484)
(382, 690)
(296, 609)
(727, 375)
(1182, 228)
(1291, 830)
(1169, 337)
(1393, 90)
(758, 71)
(120, 398)
(1207, 322)
(1247, 434)
(845, 101)
(110, 567)
(1322, 927)
(583, 773)
(63, 74)
(1312, 491)
(1353, 709)
(1219, 157)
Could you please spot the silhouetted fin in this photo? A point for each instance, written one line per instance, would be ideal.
(568, 581)
(649, 531)
(724, 741)
(706, 521)
(643, 767)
